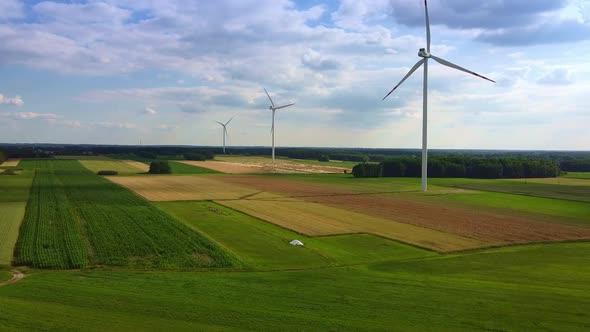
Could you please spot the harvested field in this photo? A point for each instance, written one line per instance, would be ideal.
(226, 167)
(315, 220)
(121, 167)
(139, 165)
(245, 165)
(483, 226)
(178, 188)
(10, 163)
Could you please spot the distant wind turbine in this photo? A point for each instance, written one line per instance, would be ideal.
(224, 125)
(425, 55)
(273, 108)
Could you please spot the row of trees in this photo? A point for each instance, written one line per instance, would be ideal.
(460, 167)
(3, 157)
(576, 165)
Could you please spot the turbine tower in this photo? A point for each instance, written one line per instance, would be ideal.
(425, 55)
(224, 125)
(273, 108)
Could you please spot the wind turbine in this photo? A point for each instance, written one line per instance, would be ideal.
(224, 125)
(425, 55)
(273, 108)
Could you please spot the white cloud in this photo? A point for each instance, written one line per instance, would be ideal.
(17, 100)
(557, 76)
(30, 116)
(149, 111)
(11, 9)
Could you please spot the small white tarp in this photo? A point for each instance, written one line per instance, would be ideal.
(296, 243)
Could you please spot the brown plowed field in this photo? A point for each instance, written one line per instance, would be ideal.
(258, 165)
(475, 224)
(226, 167)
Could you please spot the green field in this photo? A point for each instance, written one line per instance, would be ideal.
(265, 246)
(75, 218)
(577, 175)
(110, 165)
(527, 288)
(138, 263)
(5, 275)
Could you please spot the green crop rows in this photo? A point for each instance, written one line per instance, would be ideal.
(75, 219)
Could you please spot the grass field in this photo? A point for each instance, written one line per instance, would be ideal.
(263, 245)
(111, 165)
(5, 275)
(10, 221)
(75, 218)
(577, 175)
(14, 193)
(528, 288)
(174, 188)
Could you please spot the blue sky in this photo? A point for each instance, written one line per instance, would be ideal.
(117, 71)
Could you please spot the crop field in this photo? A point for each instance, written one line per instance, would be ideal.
(577, 175)
(378, 253)
(254, 165)
(75, 219)
(10, 163)
(122, 167)
(176, 188)
(183, 168)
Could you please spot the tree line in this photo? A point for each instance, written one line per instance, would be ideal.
(576, 165)
(3, 156)
(460, 167)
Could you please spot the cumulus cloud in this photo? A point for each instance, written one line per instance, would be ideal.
(558, 76)
(314, 60)
(17, 100)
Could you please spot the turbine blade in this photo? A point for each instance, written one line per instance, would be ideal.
(229, 120)
(271, 102)
(278, 108)
(220, 123)
(454, 66)
(427, 27)
(416, 66)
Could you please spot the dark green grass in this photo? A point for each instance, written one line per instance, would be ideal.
(577, 175)
(528, 288)
(266, 246)
(77, 214)
(180, 168)
(5, 275)
(522, 187)
(84, 157)
(15, 188)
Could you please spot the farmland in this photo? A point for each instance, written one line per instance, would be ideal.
(122, 167)
(378, 253)
(75, 219)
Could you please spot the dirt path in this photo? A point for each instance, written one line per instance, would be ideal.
(16, 276)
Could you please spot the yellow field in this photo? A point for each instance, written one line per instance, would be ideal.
(111, 165)
(315, 220)
(11, 216)
(177, 188)
(139, 165)
(254, 164)
(11, 163)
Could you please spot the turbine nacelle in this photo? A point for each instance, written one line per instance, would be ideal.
(423, 53)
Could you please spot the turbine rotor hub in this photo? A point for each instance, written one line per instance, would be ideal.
(423, 53)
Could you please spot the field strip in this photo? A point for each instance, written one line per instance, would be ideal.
(16, 276)
(178, 188)
(11, 163)
(467, 222)
(318, 220)
(11, 217)
(561, 181)
(139, 165)
(225, 167)
(120, 166)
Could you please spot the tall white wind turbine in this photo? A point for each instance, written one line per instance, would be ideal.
(273, 108)
(224, 125)
(425, 55)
